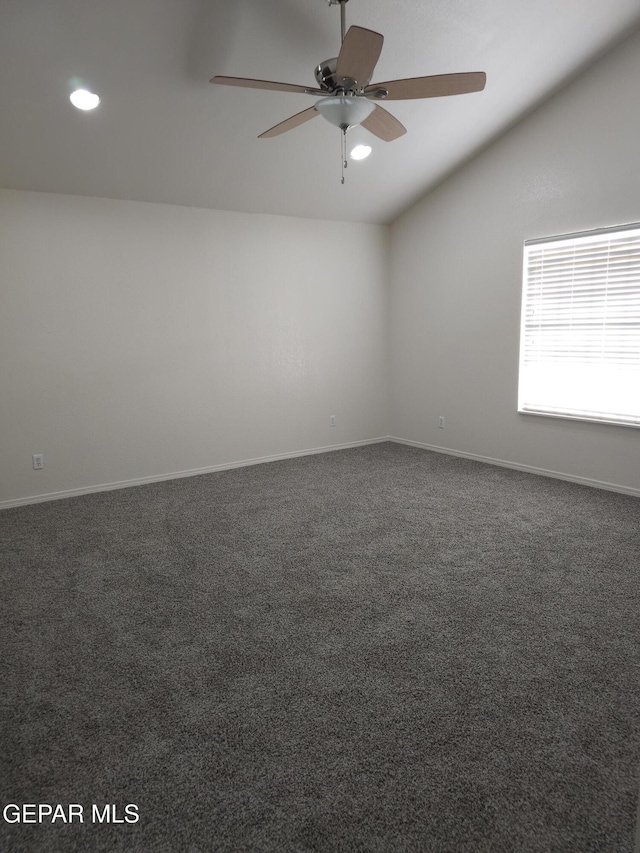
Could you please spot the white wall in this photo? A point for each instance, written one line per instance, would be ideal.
(456, 272)
(139, 340)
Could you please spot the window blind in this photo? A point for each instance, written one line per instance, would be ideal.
(580, 332)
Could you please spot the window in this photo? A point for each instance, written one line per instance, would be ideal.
(580, 333)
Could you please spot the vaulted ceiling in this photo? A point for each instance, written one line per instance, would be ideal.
(163, 133)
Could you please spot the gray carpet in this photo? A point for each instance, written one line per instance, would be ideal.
(378, 649)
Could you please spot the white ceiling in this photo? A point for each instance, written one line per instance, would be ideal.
(164, 134)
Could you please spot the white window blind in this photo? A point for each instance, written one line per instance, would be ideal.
(580, 334)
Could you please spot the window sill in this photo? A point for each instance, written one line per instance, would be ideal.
(581, 418)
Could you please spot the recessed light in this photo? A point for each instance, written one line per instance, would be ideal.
(359, 152)
(84, 100)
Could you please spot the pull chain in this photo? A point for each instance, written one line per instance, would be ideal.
(343, 153)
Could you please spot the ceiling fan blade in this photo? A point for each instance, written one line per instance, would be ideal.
(429, 87)
(383, 125)
(248, 83)
(358, 55)
(290, 123)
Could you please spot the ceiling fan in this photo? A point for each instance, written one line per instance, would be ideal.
(349, 98)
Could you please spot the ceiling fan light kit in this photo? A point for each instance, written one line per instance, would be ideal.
(349, 98)
(344, 111)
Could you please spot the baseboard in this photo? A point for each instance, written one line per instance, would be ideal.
(516, 466)
(226, 466)
(176, 475)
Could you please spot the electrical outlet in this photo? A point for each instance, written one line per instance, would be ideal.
(441, 421)
(332, 420)
(38, 461)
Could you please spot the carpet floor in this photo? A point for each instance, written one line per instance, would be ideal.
(375, 649)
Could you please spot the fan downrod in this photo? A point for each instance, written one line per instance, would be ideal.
(325, 72)
(343, 22)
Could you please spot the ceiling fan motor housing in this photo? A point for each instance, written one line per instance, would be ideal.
(328, 79)
(326, 74)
